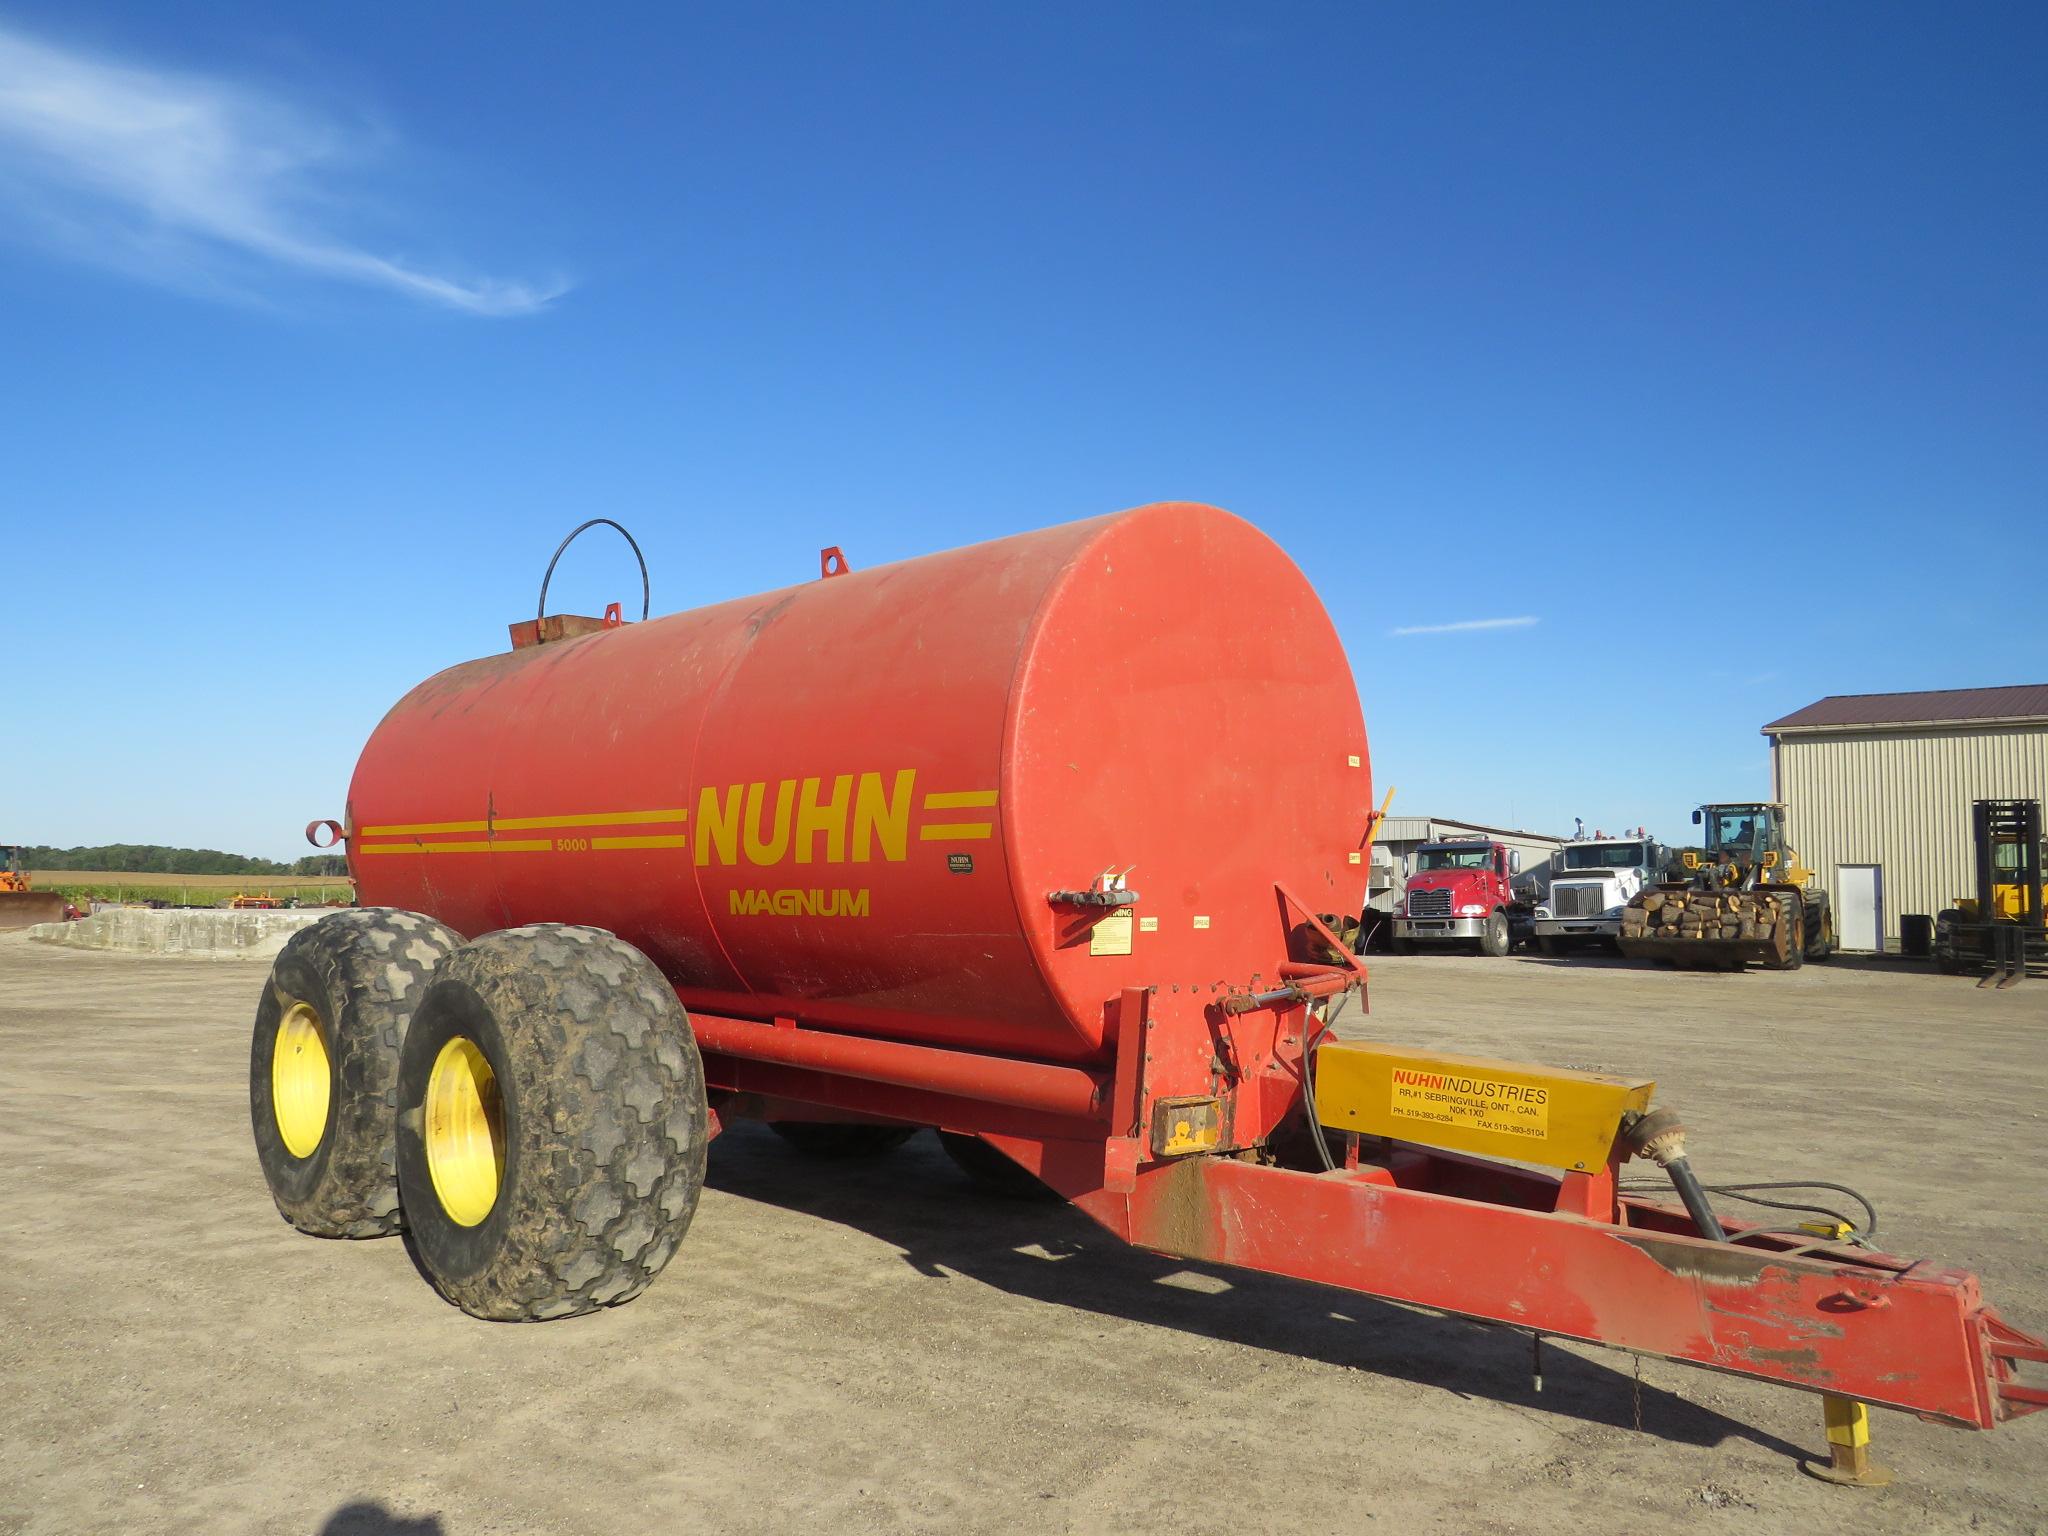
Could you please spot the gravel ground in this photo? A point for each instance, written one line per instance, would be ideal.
(873, 1347)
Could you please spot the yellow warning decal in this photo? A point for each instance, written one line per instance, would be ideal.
(1112, 936)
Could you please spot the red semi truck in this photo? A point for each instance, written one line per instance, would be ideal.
(1022, 843)
(1462, 891)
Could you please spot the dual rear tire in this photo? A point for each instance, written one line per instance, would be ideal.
(531, 1105)
(323, 1066)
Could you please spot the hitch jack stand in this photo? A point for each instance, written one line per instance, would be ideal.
(1848, 1464)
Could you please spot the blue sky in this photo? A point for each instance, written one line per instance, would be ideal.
(1710, 341)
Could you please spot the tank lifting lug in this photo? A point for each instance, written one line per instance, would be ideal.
(336, 833)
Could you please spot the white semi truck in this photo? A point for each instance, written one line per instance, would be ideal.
(1592, 879)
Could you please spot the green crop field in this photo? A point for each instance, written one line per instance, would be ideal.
(82, 885)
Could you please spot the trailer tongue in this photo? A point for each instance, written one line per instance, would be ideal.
(1422, 1208)
(1023, 842)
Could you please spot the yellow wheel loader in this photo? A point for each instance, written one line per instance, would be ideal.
(20, 906)
(1740, 898)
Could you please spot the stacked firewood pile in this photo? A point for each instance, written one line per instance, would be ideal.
(1702, 915)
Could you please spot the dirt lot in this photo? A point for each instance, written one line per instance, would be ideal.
(874, 1348)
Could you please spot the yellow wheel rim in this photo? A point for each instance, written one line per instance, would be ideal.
(465, 1132)
(300, 1079)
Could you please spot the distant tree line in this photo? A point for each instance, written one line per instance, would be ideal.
(153, 858)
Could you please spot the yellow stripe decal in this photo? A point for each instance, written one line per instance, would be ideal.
(638, 842)
(592, 819)
(529, 823)
(501, 845)
(960, 800)
(417, 828)
(955, 831)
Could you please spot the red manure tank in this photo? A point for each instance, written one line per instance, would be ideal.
(850, 803)
(1028, 843)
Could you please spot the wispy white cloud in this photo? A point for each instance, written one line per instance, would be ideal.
(1463, 626)
(187, 179)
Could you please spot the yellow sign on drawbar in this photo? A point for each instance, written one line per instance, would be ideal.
(1478, 1101)
(1511, 1109)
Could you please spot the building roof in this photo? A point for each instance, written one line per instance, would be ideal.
(1940, 706)
(1423, 829)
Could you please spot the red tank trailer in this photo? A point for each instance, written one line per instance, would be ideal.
(1024, 842)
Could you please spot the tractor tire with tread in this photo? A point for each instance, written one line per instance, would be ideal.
(1792, 914)
(360, 972)
(1824, 941)
(601, 1123)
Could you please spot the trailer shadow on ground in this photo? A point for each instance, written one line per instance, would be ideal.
(1891, 964)
(370, 1518)
(916, 1200)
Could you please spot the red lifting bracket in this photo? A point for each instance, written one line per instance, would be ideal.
(1306, 981)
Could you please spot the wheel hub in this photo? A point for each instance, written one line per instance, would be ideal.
(464, 1132)
(301, 1079)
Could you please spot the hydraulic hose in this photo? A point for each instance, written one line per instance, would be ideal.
(1687, 1183)
(1660, 1136)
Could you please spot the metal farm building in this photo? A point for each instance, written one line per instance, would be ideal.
(1879, 786)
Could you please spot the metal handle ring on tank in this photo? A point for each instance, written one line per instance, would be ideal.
(645, 591)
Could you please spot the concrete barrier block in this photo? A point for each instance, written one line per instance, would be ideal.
(203, 933)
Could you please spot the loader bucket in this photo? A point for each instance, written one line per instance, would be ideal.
(1708, 954)
(1710, 930)
(20, 909)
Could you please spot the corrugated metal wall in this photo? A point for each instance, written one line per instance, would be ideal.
(1408, 829)
(1901, 800)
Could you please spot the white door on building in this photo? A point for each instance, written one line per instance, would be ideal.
(1860, 923)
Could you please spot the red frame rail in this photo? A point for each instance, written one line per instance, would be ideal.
(1490, 1242)
(1556, 1253)
(1564, 1255)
